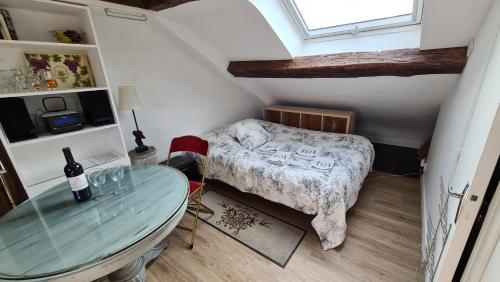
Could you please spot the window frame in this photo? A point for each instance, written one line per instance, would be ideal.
(353, 29)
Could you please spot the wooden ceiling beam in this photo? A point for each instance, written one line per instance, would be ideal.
(403, 62)
(158, 5)
(132, 3)
(155, 5)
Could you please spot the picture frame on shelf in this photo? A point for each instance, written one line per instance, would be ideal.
(68, 70)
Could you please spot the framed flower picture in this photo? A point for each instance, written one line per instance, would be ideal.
(69, 70)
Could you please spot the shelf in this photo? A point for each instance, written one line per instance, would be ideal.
(312, 122)
(46, 136)
(290, 119)
(311, 118)
(51, 92)
(272, 116)
(38, 45)
(88, 164)
(335, 124)
(44, 6)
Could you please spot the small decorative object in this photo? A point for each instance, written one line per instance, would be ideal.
(68, 36)
(129, 100)
(48, 78)
(66, 70)
(35, 80)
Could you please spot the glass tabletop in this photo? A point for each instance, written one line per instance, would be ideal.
(52, 234)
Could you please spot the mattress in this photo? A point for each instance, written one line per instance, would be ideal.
(327, 193)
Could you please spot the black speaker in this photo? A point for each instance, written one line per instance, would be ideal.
(96, 107)
(15, 119)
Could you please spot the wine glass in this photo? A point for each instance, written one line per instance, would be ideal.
(6, 80)
(116, 173)
(20, 80)
(98, 178)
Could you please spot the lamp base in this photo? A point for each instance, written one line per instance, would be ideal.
(141, 149)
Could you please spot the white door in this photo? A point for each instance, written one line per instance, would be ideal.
(475, 166)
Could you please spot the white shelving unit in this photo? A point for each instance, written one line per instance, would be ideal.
(39, 162)
(54, 92)
(37, 45)
(46, 137)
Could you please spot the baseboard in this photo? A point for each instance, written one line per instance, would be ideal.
(396, 142)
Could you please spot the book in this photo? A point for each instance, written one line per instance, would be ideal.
(3, 28)
(10, 24)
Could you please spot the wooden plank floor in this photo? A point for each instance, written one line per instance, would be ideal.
(383, 242)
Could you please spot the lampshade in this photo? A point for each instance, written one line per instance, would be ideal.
(128, 99)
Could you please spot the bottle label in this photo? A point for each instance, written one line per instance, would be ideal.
(78, 183)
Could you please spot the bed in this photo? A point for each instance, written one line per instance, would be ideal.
(314, 172)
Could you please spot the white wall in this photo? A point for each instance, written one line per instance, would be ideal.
(451, 23)
(391, 110)
(234, 27)
(455, 115)
(180, 94)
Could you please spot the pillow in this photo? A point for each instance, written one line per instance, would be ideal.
(249, 133)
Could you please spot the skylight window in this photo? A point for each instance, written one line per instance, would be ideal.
(332, 17)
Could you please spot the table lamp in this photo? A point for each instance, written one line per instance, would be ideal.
(129, 100)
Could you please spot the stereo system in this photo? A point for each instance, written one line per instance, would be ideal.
(18, 126)
(60, 120)
(96, 107)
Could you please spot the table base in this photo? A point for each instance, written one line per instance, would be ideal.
(136, 270)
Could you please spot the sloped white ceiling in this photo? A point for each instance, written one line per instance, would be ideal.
(392, 110)
(234, 27)
(451, 23)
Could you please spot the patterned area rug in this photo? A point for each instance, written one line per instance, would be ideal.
(271, 237)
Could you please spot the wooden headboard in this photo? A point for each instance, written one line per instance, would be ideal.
(311, 118)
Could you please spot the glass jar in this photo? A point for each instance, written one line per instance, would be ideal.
(48, 77)
(20, 79)
(6, 82)
(35, 80)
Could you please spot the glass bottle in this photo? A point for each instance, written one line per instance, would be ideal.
(35, 81)
(48, 77)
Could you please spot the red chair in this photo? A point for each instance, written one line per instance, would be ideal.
(199, 146)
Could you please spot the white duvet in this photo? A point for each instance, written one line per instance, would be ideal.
(320, 173)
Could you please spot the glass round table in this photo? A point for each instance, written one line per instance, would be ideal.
(53, 237)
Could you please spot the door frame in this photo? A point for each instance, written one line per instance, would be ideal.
(487, 239)
(454, 247)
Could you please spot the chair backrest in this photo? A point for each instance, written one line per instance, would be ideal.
(189, 144)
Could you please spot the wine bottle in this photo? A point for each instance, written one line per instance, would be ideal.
(76, 177)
